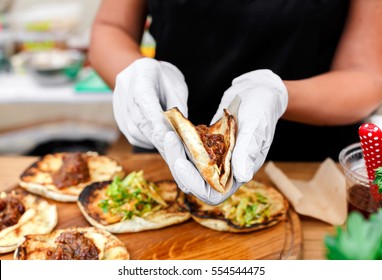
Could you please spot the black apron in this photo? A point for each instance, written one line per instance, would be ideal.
(214, 41)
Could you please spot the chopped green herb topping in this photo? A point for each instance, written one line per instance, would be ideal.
(378, 179)
(132, 196)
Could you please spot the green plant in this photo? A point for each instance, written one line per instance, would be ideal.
(360, 239)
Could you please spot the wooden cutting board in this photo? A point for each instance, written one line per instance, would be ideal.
(188, 240)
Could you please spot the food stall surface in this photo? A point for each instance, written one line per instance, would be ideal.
(298, 237)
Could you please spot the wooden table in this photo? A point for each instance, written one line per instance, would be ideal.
(313, 231)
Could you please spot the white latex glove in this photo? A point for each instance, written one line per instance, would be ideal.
(143, 90)
(264, 99)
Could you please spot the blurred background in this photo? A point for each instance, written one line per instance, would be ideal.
(50, 97)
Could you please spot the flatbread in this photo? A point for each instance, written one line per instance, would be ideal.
(38, 178)
(217, 173)
(37, 216)
(174, 212)
(271, 208)
(104, 245)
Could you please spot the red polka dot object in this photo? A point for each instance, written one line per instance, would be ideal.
(371, 142)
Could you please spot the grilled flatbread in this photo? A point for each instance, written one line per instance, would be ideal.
(22, 213)
(209, 147)
(75, 243)
(62, 176)
(254, 206)
(133, 204)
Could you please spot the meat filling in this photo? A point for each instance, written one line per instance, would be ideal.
(11, 209)
(213, 143)
(73, 171)
(73, 246)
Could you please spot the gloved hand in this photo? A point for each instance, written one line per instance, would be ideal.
(264, 99)
(143, 90)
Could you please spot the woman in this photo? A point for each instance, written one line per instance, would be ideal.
(325, 58)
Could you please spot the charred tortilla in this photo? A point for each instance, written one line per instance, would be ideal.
(209, 147)
(253, 207)
(62, 176)
(134, 206)
(86, 243)
(22, 213)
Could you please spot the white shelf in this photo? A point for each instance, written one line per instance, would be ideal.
(31, 113)
(24, 89)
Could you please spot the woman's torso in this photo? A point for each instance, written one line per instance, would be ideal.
(214, 41)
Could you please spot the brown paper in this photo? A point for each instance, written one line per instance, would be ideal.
(323, 197)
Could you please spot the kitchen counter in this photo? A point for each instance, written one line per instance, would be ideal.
(313, 231)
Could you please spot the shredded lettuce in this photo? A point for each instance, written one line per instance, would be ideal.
(132, 196)
(246, 207)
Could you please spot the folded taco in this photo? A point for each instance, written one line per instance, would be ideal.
(209, 147)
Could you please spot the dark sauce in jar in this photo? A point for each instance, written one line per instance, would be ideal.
(361, 200)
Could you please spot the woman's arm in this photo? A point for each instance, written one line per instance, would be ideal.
(352, 90)
(116, 36)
